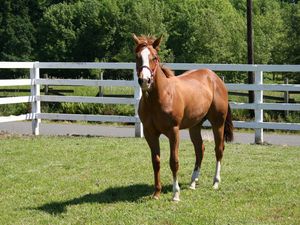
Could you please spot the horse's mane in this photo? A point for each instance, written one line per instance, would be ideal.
(144, 41)
(167, 71)
(147, 38)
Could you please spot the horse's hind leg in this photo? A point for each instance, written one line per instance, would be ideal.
(219, 149)
(195, 134)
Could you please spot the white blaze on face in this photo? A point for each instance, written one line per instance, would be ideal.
(145, 60)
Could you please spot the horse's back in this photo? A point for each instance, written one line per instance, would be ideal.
(198, 74)
(202, 91)
(203, 78)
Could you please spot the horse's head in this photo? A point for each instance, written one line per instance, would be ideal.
(147, 59)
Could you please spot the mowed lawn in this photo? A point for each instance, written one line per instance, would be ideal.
(90, 180)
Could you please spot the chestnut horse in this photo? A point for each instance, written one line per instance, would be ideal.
(170, 103)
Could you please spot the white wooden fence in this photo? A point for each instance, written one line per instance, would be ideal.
(35, 98)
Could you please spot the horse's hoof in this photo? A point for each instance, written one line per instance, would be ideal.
(216, 186)
(216, 183)
(155, 197)
(176, 197)
(193, 185)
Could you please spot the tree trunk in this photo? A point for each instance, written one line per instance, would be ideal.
(250, 51)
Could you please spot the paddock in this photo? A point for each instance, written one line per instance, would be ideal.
(87, 180)
(80, 180)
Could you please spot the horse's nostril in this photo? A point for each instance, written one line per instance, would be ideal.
(149, 81)
(140, 81)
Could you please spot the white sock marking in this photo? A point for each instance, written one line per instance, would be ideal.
(195, 175)
(194, 179)
(176, 190)
(217, 177)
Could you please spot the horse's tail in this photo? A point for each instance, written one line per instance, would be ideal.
(228, 128)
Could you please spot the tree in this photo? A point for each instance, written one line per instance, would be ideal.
(80, 31)
(56, 33)
(16, 31)
(292, 24)
(269, 31)
(17, 35)
(134, 20)
(294, 35)
(197, 31)
(201, 31)
(251, 76)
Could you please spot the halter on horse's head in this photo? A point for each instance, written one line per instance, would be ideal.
(147, 60)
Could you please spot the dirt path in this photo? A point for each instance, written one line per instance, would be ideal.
(115, 131)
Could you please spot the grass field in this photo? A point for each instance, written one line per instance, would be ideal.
(81, 180)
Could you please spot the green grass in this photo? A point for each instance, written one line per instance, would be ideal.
(80, 180)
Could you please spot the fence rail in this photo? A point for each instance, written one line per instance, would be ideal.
(35, 98)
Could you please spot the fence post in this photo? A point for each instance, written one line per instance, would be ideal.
(137, 96)
(286, 96)
(46, 87)
(35, 93)
(100, 87)
(258, 99)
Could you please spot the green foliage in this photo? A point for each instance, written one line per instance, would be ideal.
(57, 35)
(16, 31)
(17, 34)
(14, 109)
(147, 17)
(201, 31)
(293, 27)
(193, 31)
(96, 109)
(269, 35)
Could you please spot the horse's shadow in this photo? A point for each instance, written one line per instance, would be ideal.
(132, 193)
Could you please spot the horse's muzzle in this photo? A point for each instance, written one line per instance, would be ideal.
(144, 83)
(140, 81)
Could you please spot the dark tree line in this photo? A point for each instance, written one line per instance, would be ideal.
(195, 31)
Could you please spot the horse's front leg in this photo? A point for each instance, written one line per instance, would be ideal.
(174, 160)
(153, 142)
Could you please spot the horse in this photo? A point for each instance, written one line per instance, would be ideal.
(170, 103)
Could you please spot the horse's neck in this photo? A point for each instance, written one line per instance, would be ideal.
(160, 86)
(161, 82)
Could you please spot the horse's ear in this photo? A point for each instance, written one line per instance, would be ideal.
(135, 38)
(156, 43)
